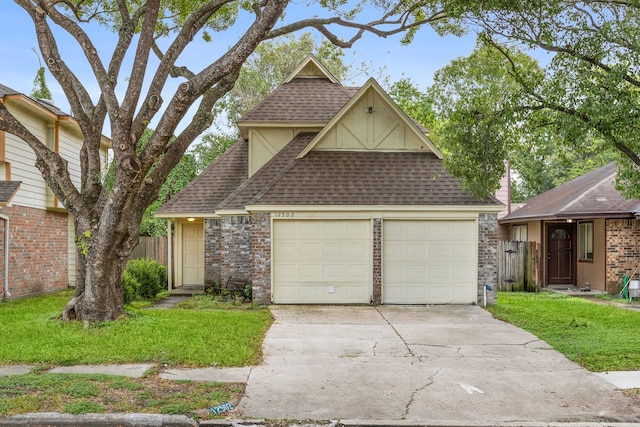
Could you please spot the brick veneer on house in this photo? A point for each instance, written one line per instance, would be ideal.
(37, 251)
(235, 248)
(622, 240)
(212, 261)
(377, 261)
(261, 248)
(487, 255)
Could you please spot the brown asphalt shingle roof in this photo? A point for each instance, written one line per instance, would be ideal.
(352, 178)
(8, 189)
(315, 100)
(588, 196)
(213, 185)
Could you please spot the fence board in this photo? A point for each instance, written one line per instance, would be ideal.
(154, 247)
(518, 266)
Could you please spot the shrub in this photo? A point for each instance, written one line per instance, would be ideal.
(150, 275)
(130, 287)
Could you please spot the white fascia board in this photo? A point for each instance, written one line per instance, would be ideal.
(231, 212)
(186, 215)
(374, 208)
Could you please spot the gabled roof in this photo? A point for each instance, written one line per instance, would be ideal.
(592, 195)
(331, 178)
(8, 189)
(372, 85)
(311, 68)
(203, 195)
(300, 101)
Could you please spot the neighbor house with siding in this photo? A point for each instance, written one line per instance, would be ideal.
(42, 252)
(589, 234)
(333, 195)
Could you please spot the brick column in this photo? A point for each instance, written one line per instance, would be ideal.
(377, 261)
(261, 250)
(487, 255)
(212, 260)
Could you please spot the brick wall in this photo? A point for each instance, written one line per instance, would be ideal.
(37, 251)
(261, 247)
(487, 256)
(377, 261)
(622, 243)
(235, 248)
(212, 261)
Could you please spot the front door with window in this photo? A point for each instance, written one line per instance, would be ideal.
(560, 254)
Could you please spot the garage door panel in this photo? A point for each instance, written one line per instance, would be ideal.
(429, 261)
(333, 260)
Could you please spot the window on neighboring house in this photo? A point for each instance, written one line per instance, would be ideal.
(585, 241)
(519, 233)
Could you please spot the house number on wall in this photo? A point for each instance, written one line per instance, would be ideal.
(283, 214)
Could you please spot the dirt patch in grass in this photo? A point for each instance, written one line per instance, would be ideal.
(634, 394)
(79, 394)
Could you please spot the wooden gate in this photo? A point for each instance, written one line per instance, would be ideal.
(519, 266)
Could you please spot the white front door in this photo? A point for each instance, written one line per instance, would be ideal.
(192, 254)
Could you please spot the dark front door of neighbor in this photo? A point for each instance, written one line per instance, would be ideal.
(560, 257)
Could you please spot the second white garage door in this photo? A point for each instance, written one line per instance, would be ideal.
(321, 261)
(429, 262)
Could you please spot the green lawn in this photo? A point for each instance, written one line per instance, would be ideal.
(32, 333)
(598, 337)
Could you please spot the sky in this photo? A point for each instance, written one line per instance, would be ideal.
(417, 61)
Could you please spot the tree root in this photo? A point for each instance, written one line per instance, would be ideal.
(69, 312)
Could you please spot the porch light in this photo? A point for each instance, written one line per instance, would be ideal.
(569, 220)
(191, 219)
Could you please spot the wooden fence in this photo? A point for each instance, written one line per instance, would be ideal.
(151, 247)
(519, 266)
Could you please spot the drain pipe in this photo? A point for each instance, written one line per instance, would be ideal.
(5, 293)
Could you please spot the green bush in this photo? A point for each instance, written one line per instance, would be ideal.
(130, 287)
(150, 275)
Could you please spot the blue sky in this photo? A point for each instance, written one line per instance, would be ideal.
(418, 61)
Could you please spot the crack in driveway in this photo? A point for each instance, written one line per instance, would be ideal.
(430, 381)
(398, 334)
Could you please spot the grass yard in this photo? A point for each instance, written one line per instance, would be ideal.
(598, 337)
(31, 333)
(81, 394)
(227, 335)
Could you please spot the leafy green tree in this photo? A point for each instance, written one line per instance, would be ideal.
(587, 92)
(40, 89)
(132, 75)
(418, 105)
(487, 121)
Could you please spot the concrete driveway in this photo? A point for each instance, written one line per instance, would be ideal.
(424, 364)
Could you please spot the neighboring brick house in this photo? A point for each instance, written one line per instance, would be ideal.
(589, 234)
(333, 195)
(42, 253)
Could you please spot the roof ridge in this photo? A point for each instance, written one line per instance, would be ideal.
(593, 188)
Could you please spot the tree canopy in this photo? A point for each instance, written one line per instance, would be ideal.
(586, 93)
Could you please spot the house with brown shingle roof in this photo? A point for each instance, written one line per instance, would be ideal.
(589, 233)
(333, 195)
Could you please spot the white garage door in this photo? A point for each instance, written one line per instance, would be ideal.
(321, 261)
(429, 262)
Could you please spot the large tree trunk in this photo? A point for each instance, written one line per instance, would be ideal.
(98, 295)
(103, 252)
